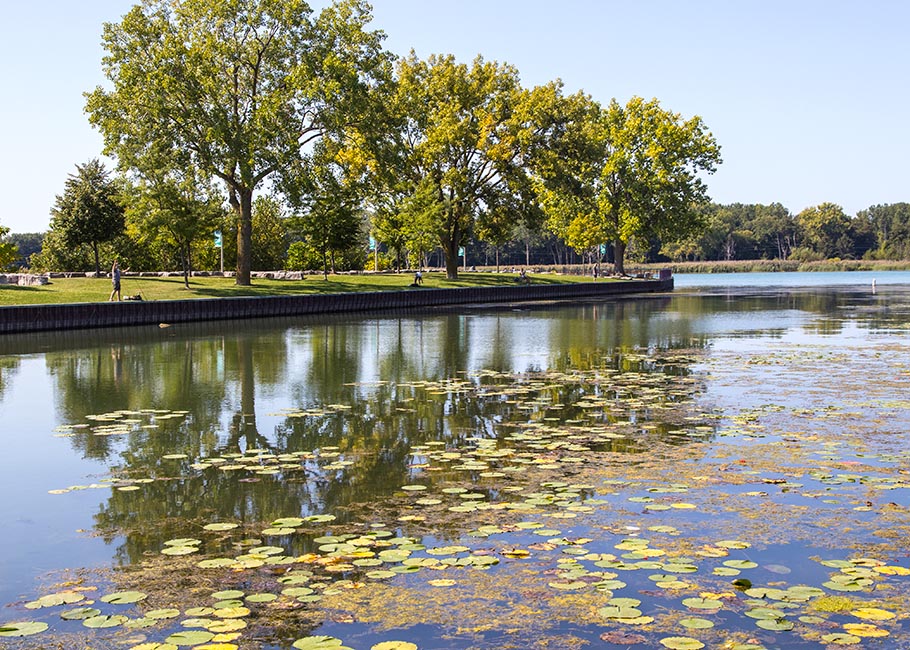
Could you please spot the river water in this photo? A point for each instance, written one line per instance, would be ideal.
(605, 472)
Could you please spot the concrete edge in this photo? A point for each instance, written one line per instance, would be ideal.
(42, 318)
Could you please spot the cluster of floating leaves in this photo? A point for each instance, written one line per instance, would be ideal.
(583, 525)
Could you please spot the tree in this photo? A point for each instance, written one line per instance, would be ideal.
(620, 172)
(269, 234)
(455, 153)
(889, 226)
(173, 207)
(28, 243)
(9, 252)
(826, 229)
(88, 211)
(245, 86)
(329, 199)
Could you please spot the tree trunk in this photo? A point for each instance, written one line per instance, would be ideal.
(497, 259)
(325, 265)
(527, 254)
(186, 265)
(450, 251)
(244, 208)
(97, 259)
(619, 257)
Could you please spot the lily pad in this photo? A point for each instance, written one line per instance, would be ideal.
(124, 597)
(702, 603)
(681, 643)
(22, 628)
(318, 643)
(80, 613)
(103, 621)
(394, 645)
(190, 637)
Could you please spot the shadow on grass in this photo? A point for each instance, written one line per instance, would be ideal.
(351, 284)
(16, 287)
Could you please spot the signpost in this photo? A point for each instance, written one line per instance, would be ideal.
(219, 244)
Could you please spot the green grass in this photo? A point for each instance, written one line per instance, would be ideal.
(73, 290)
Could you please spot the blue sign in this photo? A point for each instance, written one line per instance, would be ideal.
(218, 243)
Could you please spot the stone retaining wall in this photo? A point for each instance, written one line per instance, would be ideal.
(38, 318)
(23, 279)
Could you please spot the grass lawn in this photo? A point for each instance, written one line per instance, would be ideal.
(71, 290)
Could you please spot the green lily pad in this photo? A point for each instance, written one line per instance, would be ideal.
(696, 623)
(840, 638)
(740, 564)
(702, 603)
(79, 613)
(260, 598)
(619, 612)
(103, 621)
(124, 597)
(220, 526)
(161, 614)
(22, 628)
(777, 625)
(190, 637)
(228, 594)
(681, 643)
(318, 643)
(763, 613)
(179, 550)
(288, 522)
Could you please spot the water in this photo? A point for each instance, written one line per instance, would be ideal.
(591, 421)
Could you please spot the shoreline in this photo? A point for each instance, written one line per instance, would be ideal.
(18, 319)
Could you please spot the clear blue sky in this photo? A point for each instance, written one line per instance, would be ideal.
(807, 98)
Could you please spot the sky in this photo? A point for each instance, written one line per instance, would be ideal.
(808, 99)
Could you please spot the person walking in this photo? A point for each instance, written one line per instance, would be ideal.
(115, 281)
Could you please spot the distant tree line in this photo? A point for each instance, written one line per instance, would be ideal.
(307, 146)
(754, 231)
(729, 232)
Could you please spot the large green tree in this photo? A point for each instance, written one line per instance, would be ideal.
(611, 174)
(245, 86)
(455, 154)
(826, 229)
(89, 210)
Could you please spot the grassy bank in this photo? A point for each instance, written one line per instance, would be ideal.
(73, 290)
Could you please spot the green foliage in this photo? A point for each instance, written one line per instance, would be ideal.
(270, 237)
(329, 198)
(298, 259)
(88, 212)
(244, 87)
(737, 231)
(884, 231)
(9, 251)
(28, 243)
(622, 172)
(171, 208)
(455, 153)
(826, 229)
